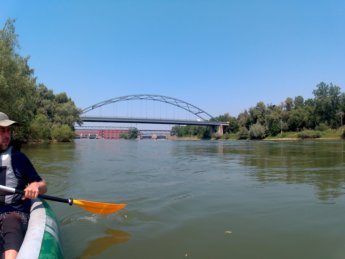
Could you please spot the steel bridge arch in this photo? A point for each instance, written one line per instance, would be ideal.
(159, 98)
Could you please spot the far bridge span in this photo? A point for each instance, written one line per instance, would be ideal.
(203, 118)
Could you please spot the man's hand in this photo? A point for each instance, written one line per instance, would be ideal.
(33, 190)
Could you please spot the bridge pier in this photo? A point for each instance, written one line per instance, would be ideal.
(220, 130)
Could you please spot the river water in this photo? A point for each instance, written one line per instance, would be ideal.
(199, 199)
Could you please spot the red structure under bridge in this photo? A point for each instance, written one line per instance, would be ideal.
(97, 132)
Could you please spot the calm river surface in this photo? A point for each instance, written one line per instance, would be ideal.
(199, 199)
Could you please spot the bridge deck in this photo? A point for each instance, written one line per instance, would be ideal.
(151, 121)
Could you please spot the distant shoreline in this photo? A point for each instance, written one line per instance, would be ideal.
(266, 139)
(286, 139)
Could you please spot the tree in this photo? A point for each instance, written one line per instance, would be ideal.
(66, 113)
(309, 109)
(327, 103)
(133, 133)
(225, 117)
(233, 126)
(297, 119)
(341, 109)
(288, 105)
(274, 122)
(243, 119)
(298, 102)
(233, 123)
(204, 133)
(32, 105)
(258, 114)
(17, 83)
(59, 109)
(62, 133)
(45, 101)
(40, 128)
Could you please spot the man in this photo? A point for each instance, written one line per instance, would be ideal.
(16, 171)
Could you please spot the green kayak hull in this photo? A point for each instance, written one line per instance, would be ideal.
(42, 239)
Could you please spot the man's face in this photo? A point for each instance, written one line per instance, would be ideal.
(5, 137)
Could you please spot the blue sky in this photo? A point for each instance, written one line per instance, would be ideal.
(221, 56)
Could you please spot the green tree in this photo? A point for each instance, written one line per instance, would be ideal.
(131, 134)
(288, 104)
(66, 113)
(274, 121)
(23, 100)
(233, 126)
(243, 119)
(311, 118)
(258, 114)
(297, 119)
(62, 133)
(45, 102)
(233, 123)
(192, 131)
(204, 133)
(225, 117)
(17, 83)
(327, 103)
(298, 102)
(59, 108)
(40, 128)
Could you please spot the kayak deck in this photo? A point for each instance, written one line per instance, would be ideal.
(42, 237)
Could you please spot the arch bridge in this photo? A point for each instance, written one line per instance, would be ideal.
(204, 118)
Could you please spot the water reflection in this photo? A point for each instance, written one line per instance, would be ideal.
(97, 246)
(318, 163)
(54, 162)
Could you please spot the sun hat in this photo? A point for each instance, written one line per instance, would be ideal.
(5, 121)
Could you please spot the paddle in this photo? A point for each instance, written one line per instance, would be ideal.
(91, 206)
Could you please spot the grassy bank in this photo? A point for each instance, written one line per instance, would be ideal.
(308, 134)
(326, 134)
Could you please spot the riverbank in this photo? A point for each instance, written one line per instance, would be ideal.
(182, 138)
(290, 139)
(329, 134)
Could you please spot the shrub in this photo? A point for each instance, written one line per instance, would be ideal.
(322, 127)
(309, 134)
(274, 128)
(243, 133)
(62, 133)
(226, 135)
(205, 133)
(343, 133)
(257, 131)
(131, 134)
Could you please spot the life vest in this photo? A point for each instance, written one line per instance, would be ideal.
(10, 178)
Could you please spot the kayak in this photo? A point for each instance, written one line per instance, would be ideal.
(42, 238)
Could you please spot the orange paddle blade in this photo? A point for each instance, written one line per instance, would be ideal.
(99, 207)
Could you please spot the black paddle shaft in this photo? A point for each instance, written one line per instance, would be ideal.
(52, 198)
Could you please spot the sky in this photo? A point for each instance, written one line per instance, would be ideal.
(221, 56)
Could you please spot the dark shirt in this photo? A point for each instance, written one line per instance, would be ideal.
(25, 174)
